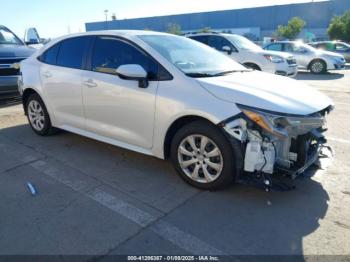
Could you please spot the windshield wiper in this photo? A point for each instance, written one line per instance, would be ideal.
(232, 71)
(197, 75)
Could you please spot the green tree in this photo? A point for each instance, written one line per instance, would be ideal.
(292, 29)
(174, 29)
(339, 28)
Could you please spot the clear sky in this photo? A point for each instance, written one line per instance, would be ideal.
(53, 18)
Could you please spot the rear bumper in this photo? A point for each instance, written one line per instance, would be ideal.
(8, 84)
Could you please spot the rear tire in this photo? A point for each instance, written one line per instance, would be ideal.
(38, 117)
(204, 157)
(318, 67)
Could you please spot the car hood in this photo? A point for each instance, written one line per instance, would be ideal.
(9, 51)
(267, 91)
(275, 53)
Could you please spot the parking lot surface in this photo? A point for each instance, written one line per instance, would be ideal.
(95, 199)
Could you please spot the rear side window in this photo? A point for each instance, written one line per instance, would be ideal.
(71, 53)
(50, 55)
(110, 53)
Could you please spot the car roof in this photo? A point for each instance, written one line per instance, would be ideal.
(125, 33)
(121, 33)
(331, 42)
(283, 42)
(208, 33)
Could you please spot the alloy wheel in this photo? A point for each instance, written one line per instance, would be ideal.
(36, 115)
(200, 158)
(317, 67)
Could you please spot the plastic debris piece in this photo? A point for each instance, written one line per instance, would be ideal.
(32, 189)
(269, 203)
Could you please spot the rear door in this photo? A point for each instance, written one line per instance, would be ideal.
(61, 74)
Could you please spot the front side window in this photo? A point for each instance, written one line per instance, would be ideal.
(110, 53)
(298, 47)
(218, 42)
(200, 38)
(191, 57)
(275, 47)
(71, 53)
(8, 38)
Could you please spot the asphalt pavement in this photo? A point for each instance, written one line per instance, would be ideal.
(95, 199)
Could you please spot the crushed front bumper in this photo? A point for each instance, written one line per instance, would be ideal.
(316, 152)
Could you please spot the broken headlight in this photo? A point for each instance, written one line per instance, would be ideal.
(273, 124)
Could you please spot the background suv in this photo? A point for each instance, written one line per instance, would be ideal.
(317, 61)
(249, 54)
(334, 46)
(12, 52)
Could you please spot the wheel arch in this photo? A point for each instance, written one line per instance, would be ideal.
(26, 94)
(175, 126)
(317, 59)
(253, 64)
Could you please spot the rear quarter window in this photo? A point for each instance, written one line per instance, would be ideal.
(50, 55)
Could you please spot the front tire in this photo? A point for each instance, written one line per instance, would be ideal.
(38, 116)
(204, 157)
(318, 67)
(252, 66)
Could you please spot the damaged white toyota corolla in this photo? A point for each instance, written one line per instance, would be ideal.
(169, 96)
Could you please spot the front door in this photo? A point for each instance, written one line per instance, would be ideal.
(116, 108)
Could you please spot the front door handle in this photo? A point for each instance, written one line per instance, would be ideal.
(90, 83)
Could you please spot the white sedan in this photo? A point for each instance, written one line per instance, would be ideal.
(172, 97)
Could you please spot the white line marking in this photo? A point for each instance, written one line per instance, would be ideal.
(184, 240)
(338, 140)
(167, 231)
(134, 214)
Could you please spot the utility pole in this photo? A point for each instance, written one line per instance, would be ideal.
(106, 15)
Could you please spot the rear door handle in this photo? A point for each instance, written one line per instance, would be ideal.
(89, 83)
(47, 74)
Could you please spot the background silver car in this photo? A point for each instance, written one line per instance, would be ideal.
(334, 46)
(317, 61)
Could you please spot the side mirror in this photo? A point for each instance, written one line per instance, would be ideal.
(32, 42)
(133, 72)
(303, 51)
(227, 49)
(31, 36)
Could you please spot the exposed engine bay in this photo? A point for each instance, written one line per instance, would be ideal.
(285, 144)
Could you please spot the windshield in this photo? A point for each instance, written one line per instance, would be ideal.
(242, 42)
(191, 57)
(8, 38)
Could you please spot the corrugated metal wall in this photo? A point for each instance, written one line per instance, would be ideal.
(317, 15)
